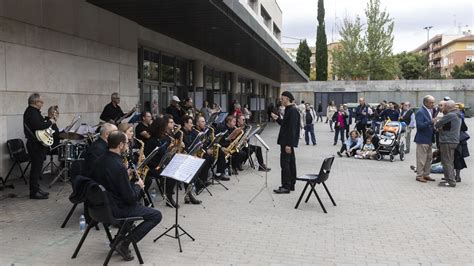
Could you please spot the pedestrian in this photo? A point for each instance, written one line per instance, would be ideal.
(424, 139)
(340, 124)
(319, 112)
(309, 117)
(329, 113)
(449, 128)
(362, 116)
(407, 116)
(288, 141)
(462, 150)
(247, 113)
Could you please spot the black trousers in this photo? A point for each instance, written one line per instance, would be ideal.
(170, 182)
(288, 168)
(339, 131)
(344, 148)
(258, 152)
(151, 218)
(37, 154)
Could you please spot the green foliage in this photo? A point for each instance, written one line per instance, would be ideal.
(466, 71)
(349, 61)
(303, 57)
(321, 45)
(370, 56)
(411, 65)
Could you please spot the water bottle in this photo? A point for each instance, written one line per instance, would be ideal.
(226, 172)
(153, 193)
(82, 223)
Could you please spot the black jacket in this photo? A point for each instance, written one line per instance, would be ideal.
(80, 185)
(96, 150)
(344, 118)
(111, 112)
(33, 119)
(110, 172)
(289, 134)
(176, 113)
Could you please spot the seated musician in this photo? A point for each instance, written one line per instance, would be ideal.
(236, 158)
(142, 130)
(110, 172)
(112, 112)
(99, 147)
(206, 153)
(162, 136)
(250, 149)
(189, 138)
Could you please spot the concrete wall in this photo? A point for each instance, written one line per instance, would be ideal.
(71, 52)
(461, 90)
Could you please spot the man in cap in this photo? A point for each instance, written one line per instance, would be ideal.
(288, 138)
(175, 110)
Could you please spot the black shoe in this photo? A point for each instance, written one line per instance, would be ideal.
(281, 190)
(307, 143)
(38, 195)
(189, 198)
(446, 184)
(292, 188)
(335, 143)
(234, 171)
(44, 193)
(264, 169)
(124, 251)
(339, 153)
(458, 180)
(171, 203)
(240, 168)
(314, 144)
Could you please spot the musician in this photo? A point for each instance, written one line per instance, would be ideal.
(32, 121)
(288, 138)
(250, 149)
(110, 172)
(207, 155)
(112, 111)
(189, 137)
(162, 135)
(99, 147)
(175, 110)
(229, 126)
(188, 107)
(142, 130)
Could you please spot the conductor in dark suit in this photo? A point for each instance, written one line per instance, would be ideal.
(288, 138)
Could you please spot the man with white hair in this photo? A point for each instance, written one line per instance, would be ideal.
(449, 127)
(424, 139)
(99, 147)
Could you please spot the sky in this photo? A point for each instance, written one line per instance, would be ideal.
(410, 17)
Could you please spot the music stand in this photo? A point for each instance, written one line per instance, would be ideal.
(265, 185)
(181, 168)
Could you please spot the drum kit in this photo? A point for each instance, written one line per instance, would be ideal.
(72, 147)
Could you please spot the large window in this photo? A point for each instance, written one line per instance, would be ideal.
(151, 62)
(167, 67)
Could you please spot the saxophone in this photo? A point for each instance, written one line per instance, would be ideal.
(142, 172)
(207, 142)
(235, 136)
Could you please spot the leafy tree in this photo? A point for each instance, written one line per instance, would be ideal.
(411, 65)
(349, 60)
(321, 45)
(378, 41)
(303, 57)
(466, 71)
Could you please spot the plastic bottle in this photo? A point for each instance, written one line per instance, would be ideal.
(82, 223)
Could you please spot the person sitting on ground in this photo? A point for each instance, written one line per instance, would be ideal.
(351, 145)
(369, 133)
(367, 151)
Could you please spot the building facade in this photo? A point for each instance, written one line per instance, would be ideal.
(76, 53)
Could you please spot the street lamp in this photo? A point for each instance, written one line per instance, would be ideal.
(427, 28)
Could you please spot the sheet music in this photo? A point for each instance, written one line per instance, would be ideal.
(183, 167)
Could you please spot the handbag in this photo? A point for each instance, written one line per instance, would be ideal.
(463, 136)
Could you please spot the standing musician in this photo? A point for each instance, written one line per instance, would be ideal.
(250, 149)
(112, 112)
(226, 141)
(32, 121)
(142, 130)
(110, 172)
(164, 135)
(189, 136)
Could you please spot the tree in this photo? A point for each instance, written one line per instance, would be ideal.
(378, 40)
(321, 45)
(303, 57)
(466, 71)
(349, 60)
(411, 65)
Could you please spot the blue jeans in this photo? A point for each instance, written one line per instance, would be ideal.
(309, 129)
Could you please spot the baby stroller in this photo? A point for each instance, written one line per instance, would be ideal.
(392, 141)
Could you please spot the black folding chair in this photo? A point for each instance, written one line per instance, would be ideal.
(18, 154)
(312, 180)
(100, 211)
(77, 168)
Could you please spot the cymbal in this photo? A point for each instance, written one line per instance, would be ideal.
(70, 136)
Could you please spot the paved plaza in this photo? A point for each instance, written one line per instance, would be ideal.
(382, 217)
